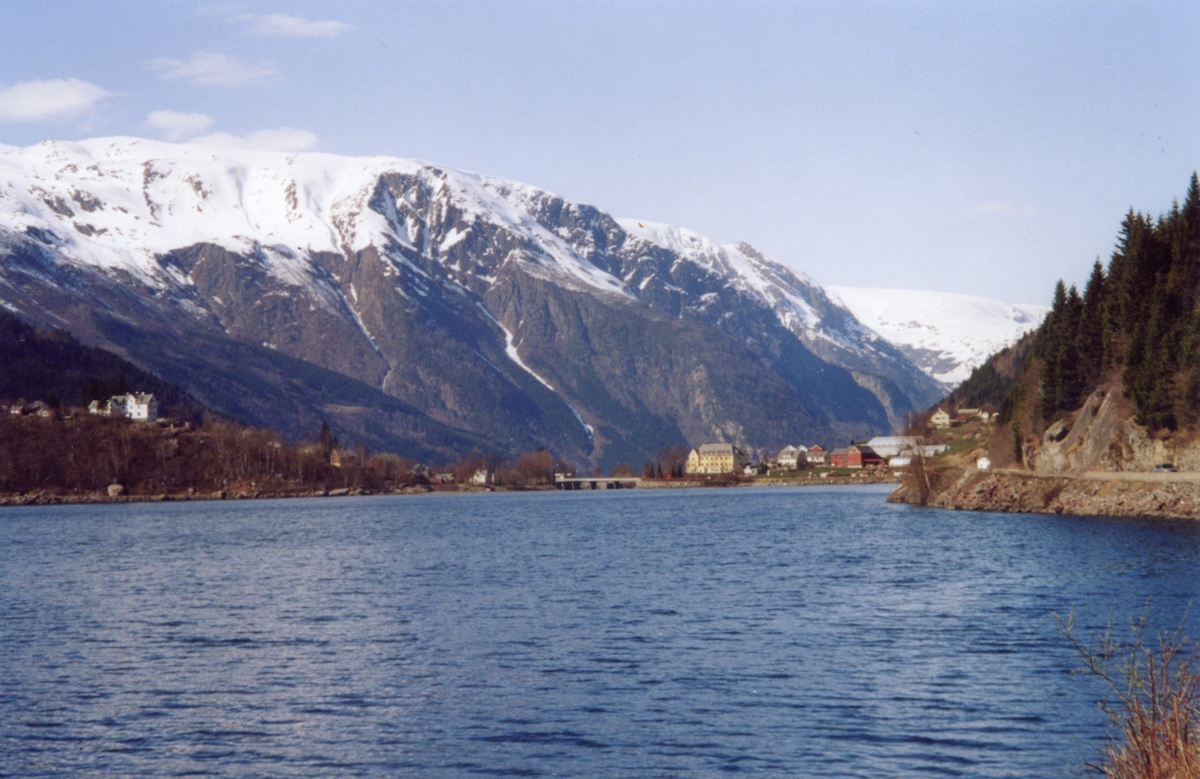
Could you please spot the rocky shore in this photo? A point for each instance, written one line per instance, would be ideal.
(47, 498)
(1084, 494)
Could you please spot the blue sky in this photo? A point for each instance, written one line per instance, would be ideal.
(985, 148)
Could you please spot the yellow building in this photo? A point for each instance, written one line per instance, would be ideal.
(716, 458)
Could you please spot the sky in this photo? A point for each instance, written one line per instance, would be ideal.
(988, 148)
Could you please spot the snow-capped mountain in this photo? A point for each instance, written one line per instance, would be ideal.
(946, 334)
(411, 302)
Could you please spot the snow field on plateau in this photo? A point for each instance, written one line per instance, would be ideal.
(948, 334)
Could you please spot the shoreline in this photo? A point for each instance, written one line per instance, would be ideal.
(1099, 493)
(47, 498)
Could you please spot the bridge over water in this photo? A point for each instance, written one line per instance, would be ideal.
(597, 483)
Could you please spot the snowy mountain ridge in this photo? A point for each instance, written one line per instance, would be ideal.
(119, 203)
(787, 292)
(503, 311)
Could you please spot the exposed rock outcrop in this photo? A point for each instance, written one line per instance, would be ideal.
(992, 491)
(1102, 436)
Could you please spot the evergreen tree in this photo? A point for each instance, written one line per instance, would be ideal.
(327, 439)
(1148, 367)
(1093, 328)
(1055, 333)
(91, 389)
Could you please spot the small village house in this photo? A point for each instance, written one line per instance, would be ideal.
(902, 448)
(940, 419)
(791, 458)
(971, 414)
(816, 457)
(36, 408)
(340, 458)
(715, 458)
(855, 456)
(138, 406)
(888, 446)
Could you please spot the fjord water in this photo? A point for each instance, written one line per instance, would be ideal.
(673, 633)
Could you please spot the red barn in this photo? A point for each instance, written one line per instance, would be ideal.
(855, 457)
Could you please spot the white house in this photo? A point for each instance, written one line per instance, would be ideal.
(140, 406)
(816, 456)
(940, 419)
(790, 457)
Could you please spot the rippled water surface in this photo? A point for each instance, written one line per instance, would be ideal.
(802, 632)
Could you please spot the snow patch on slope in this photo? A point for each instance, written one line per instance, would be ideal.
(946, 334)
(510, 348)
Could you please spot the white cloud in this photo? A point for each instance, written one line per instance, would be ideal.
(288, 26)
(215, 70)
(1003, 208)
(36, 101)
(176, 125)
(281, 139)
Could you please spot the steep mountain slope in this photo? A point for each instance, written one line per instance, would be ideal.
(41, 363)
(946, 334)
(412, 303)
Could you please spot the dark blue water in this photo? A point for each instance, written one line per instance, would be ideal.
(802, 632)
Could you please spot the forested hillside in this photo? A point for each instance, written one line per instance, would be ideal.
(50, 365)
(1140, 316)
(992, 382)
(1133, 334)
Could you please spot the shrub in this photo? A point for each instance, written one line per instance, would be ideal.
(1155, 705)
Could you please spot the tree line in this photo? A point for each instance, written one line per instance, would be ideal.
(85, 454)
(80, 453)
(1138, 319)
(50, 365)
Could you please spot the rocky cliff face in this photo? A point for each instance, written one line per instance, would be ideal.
(421, 308)
(1102, 436)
